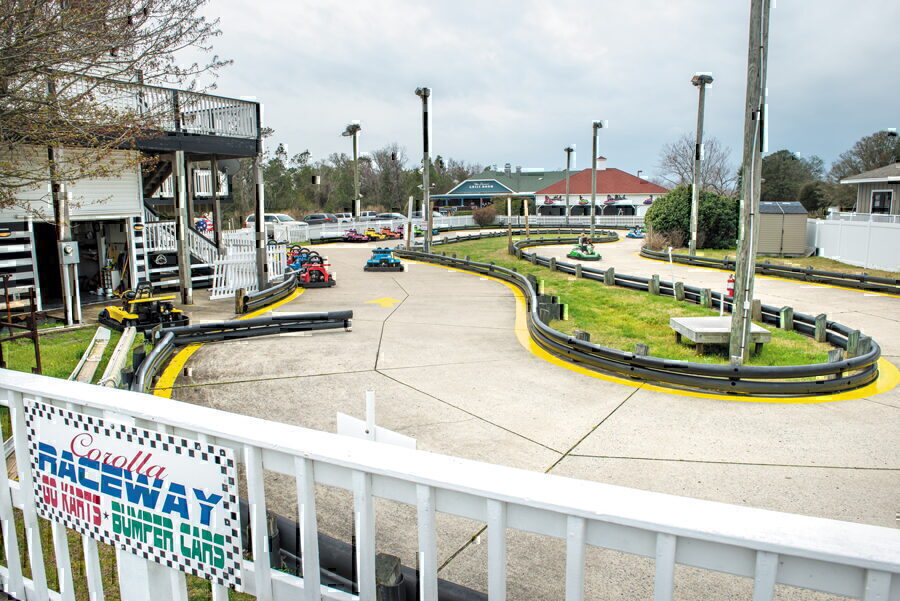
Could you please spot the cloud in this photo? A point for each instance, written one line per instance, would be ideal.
(517, 81)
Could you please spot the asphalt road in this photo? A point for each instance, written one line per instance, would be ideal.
(440, 349)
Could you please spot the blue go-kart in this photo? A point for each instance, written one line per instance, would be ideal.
(383, 260)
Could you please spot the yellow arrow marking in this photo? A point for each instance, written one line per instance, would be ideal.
(386, 302)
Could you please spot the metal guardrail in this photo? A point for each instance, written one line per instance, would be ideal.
(749, 380)
(170, 339)
(848, 280)
(246, 303)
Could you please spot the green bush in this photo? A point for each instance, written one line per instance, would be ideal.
(717, 221)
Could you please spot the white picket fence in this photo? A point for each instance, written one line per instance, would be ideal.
(770, 548)
(236, 269)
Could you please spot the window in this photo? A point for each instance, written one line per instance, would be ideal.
(881, 201)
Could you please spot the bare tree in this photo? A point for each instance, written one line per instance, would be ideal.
(676, 165)
(58, 64)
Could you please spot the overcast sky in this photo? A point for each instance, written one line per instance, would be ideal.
(518, 81)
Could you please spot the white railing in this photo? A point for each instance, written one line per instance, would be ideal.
(869, 217)
(166, 108)
(159, 236)
(577, 221)
(771, 548)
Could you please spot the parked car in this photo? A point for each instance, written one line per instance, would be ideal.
(317, 218)
(390, 216)
(367, 215)
(270, 218)
(419, 214)
(344, 217)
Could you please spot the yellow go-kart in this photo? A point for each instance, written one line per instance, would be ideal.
(143, 310)
(374, 235)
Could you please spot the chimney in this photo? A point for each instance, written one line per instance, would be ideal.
(601, 163)
(507, 169)
(518, 169)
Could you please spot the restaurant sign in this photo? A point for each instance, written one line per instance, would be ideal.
(161, 497)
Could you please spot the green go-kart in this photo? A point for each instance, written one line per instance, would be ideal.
(584, 252)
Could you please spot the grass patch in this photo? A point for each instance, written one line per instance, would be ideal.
(820, 263)
(620, 318)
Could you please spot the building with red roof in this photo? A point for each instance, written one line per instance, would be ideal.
(618, 193)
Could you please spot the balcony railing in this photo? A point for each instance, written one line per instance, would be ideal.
(771, 548)
(168, 109)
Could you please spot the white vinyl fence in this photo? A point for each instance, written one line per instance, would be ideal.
(576, 221)
(872, 242)
(236, 269)
(770, 548)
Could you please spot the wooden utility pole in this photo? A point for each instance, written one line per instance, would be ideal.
(751, 167)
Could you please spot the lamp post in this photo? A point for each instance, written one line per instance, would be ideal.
(700, 80)
(595, 126)
(352, 130)
(568, 150)
(425, 94)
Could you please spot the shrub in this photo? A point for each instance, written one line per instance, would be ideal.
(717, 220)
(655, 241)
(485, 215)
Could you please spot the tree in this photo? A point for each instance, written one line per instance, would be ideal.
(813, 197)
(57, 62)
(718, 217)
(676, 165)
(784, 173)
(870, 152)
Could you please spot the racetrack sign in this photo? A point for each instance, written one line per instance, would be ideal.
(162, 497)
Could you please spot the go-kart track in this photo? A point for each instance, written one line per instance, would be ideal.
(441, 349)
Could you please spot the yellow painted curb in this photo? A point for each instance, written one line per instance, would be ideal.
(774, 277)
(888, 374)
(167, 379)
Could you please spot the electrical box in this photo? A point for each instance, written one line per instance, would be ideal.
(68, 253)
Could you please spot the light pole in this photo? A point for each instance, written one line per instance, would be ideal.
(425, 94)
(568, 150)
(352, 130)
(701, 80)
(595, 126)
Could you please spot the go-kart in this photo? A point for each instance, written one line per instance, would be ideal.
(352, 235)
(390, 234)
(383, 260)
(312, 272)
(418, 231)
(373, 235)
(584, 252)
(143, 310)
(635, 233)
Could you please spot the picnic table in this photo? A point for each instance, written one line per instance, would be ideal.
(714, 330)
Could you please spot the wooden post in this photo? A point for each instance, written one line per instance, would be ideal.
(239, 301)
(582, 335)
(609, 277)
(653, 284)
(641, 350)
(821, 324)
(706, 298)
(577, 270)
(552, 263)
(679, 291)
(755, 310)
(786, 318)
(853, 344)
(835, 356)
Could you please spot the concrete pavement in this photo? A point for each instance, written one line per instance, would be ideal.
(439, 348)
